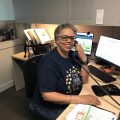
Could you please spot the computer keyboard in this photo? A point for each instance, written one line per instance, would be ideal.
(101, 74)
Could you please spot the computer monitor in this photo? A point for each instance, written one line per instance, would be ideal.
(108, 50)
(85, 39)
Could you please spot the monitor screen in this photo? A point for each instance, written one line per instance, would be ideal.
(85, 39)
(108, 49)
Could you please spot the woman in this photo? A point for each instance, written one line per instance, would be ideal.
(60, 78)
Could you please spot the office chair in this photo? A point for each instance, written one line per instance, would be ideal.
(30, 74)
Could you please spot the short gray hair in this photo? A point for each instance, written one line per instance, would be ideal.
(63, 26)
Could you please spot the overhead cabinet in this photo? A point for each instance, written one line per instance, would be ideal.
(53, 11)
(111, 11)
(40, 11)
(84, 12)
(62, 11)
(80, 11)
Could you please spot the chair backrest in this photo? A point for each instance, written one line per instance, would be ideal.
(30, 74)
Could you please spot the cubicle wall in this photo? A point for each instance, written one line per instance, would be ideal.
(7, 49)
(111, 31)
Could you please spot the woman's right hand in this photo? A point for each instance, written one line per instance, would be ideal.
(89, 99)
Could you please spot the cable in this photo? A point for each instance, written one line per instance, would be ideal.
(96, 82)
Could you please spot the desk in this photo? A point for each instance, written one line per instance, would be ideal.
(17, 61)
(106, 102)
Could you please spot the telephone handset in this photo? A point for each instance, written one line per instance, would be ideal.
(74, 54)
(74, 45)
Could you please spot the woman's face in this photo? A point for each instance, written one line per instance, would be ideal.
(65, 40)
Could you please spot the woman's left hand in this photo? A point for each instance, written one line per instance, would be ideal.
(81, 53)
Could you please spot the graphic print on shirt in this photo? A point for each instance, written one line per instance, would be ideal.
(73, 81)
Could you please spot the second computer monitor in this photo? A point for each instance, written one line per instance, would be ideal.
(85, 39)
(108, 50)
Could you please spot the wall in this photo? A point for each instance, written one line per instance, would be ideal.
(6, 10)
(111, 31)
(8, 48)
(6, 73)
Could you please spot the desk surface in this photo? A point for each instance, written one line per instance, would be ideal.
(20, 56)
(106, 102)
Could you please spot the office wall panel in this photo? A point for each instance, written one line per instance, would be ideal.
(80, 11)
(6, 73)
(40, 11)
(111, 31)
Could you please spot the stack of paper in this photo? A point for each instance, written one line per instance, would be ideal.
(88, 112)
(39, 35)
(42, 35)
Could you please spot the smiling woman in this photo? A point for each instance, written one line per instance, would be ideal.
(65, 77)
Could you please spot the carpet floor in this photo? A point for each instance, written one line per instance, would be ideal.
(14, 105)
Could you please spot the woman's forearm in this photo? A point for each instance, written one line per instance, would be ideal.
(56, 97)
(59, 98)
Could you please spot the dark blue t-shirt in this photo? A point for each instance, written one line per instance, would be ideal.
(57, 74)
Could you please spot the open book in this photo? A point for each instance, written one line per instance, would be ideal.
(39, 35)
(88, 112)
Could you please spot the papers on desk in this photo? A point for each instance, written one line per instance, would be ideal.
(88, 112)
(39, 35)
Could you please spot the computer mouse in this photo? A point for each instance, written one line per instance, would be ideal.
(110, 90)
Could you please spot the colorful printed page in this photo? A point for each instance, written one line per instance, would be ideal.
(88, 112)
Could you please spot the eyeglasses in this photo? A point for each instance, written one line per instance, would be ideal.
(65, 38)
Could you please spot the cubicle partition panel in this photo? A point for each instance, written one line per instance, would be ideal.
(111, 31)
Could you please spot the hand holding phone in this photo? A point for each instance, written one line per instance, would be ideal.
(80, 51)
